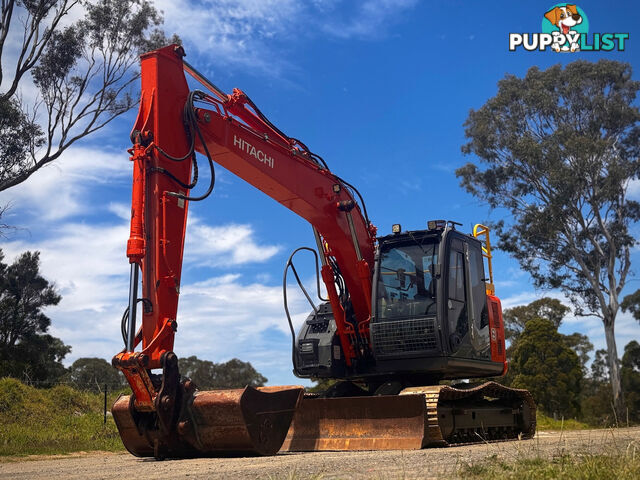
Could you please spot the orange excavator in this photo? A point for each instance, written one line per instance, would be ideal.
(403, 311)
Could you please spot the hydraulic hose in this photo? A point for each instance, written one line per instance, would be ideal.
(304, 290)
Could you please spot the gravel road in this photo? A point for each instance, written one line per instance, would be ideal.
(430, 463)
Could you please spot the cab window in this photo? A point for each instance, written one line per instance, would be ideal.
(476, 268)
(405, 284)
(457, 304)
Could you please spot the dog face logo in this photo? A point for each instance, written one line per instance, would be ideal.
(564, 22)
(564, 17)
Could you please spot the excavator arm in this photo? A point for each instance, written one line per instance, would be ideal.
(174, 123)
(167, 416)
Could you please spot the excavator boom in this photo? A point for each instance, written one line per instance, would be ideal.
(168, 131)
(166, 415)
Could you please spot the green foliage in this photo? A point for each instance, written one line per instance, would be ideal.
(600, 367)
(597, 407)
(55, 420)
(560, 147)
(580, 344)
(26, 350)
(597, 402)
(209, 376)
(121, 25)
(18, 135)
(516, 318)
(23, 294)
(550, 309)
(543, 422)
(93, 374)
(631, 303)
(630, 373)
(550, 370)
(35, 359)
(594, 397)
(85, 70)
(60, 56)
(557, 150)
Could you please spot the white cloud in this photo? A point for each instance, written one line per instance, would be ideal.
(60, 190)
(220, 317)
(223, 317)
(371, 19)
(522, 298)
(89, 267)
(224, 245)
(87, 261)
(260, 33)
(633, 191)
(236, 309)
(120, 210)
(626, 327)
(232, 32)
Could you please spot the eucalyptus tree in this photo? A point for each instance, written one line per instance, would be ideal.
(67, 69)
(556, 152)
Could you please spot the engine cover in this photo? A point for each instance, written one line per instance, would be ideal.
(318, 352)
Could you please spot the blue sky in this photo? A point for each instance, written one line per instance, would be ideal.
(379, 88)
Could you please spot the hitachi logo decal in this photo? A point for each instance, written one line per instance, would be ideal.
(253, 151)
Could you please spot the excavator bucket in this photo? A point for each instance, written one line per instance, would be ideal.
(431, 416)
(241, 422)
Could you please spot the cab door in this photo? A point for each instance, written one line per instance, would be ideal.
(477, 300)
(466, 301)
(456, 304)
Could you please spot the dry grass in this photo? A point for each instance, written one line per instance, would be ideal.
(579, 467)
(605, 454)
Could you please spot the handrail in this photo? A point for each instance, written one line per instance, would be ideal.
(483, 230)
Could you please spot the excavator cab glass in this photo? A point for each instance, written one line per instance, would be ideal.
(406, 284)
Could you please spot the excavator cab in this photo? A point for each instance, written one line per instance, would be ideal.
(430, 308)
(434, 317)
(431, 314)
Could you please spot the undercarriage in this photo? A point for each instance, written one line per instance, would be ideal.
(266, 420)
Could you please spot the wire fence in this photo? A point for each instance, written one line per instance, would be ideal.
(107, 391)
(95, 386)
(52, 417)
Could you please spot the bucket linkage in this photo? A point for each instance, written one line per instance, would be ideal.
(186, 422)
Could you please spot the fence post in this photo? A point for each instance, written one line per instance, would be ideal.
(105, 403)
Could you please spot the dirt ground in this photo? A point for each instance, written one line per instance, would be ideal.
(430, 463)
